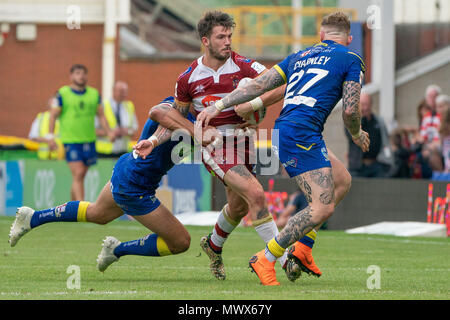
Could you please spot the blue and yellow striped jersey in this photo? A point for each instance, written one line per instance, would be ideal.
(314, 80)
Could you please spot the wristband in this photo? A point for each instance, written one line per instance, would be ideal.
(356, 136)
(154, 141)
(219, 105)
(256, 103)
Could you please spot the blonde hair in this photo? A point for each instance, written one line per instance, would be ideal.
(337, 21)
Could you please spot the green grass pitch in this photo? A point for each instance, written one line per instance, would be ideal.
(409, 268)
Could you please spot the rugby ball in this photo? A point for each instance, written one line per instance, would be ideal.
(258, 115)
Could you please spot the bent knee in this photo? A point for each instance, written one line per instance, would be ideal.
(323, 213)
(346, 181)
(257, 197)
(94, 215)
(181, 245)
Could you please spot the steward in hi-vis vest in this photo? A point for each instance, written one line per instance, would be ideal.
(39, 131)
(121, 118)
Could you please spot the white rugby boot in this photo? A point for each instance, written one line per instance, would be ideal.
(21, 225)
(106, 256)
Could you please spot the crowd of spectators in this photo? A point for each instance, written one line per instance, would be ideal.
(419, 152)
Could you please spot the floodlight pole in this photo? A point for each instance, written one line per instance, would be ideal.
(383, 53)
(109, 39)
(297, 24)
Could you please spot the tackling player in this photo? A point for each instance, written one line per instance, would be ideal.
(208, 79)
(317, 78)
(131, 190)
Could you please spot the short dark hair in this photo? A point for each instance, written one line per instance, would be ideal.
(78, 66)
(337, 20)
(212, 19)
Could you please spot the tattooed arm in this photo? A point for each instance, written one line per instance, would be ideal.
(172, 118)
(270, 98)
(266, 82)
(351, 114)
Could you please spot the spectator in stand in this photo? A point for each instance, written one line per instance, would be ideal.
(429, 130)
(422, 110)
(401, 154)
(443, 107)
(429, 126)
(376, 162)
(297, 202)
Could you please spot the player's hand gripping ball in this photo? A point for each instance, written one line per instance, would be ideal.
(257, 116)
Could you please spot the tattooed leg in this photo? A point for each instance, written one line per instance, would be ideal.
(242, 182)
(318, 187)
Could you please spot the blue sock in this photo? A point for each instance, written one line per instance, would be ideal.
(150, 245)
(309, 239)
(70, 211)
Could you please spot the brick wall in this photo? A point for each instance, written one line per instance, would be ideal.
(32, 71)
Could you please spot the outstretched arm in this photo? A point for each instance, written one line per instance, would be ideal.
(245, 110)
(266, 82)
(169, 119)
(351, 114)
(172, 118)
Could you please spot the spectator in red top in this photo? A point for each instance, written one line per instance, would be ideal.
(429, 130)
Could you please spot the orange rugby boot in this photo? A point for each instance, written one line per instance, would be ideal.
(264, 269)
(302, 254)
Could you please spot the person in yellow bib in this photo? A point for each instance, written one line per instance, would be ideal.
(76, 106)
(39, 133)
(121, 116)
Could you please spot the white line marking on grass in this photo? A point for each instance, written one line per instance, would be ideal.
(390, 240)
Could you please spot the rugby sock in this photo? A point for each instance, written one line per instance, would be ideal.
(273, 250)
(223, 227)
(69, 212)
(309, 238)
(150, 245)
(267, 230)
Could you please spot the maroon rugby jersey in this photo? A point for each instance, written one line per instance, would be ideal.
(202, 86)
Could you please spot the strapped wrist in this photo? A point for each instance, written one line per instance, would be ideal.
(356, 136)
(219, 105)
(154, 141)
(257, 103)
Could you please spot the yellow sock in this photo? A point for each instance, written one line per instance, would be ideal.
(274, 249)
(82, 209)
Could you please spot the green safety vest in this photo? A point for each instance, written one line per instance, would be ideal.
(77, 119)
(44, 152)
(103, 145)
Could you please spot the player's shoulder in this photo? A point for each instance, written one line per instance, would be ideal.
(239, 59)
(63, 89)
(247, 63)
(91, 89)
(184, 76)
(168, 100)
(352, 57)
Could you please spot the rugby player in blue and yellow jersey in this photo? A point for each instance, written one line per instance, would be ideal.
(131, 190)
(317, 78)
(76, 106)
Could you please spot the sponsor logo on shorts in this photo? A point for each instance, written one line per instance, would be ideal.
(291, 163)
(325, 153)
